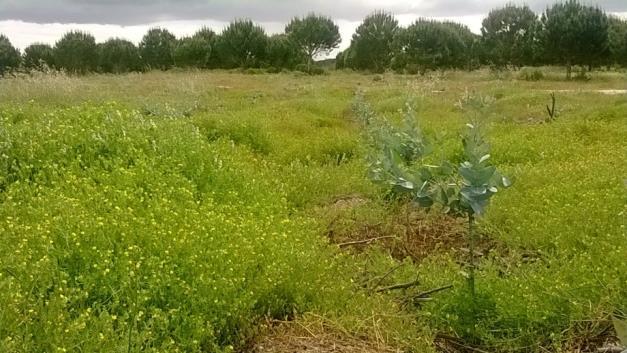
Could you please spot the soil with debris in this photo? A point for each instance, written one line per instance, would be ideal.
(296, 337)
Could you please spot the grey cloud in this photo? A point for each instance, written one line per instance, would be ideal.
(146, 11)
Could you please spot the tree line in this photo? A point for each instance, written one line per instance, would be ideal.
(242, 44)
(568, 33)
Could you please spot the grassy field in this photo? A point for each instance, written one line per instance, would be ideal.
(210, 212)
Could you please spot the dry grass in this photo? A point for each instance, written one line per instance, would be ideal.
(316, 335)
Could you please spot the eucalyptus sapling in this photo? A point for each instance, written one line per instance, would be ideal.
(398, 162)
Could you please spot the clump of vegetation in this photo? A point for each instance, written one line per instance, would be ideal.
(136, 236)
(465, 191)
(185, 219)
(531, 74)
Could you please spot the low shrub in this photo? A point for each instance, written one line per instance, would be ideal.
(530, 74)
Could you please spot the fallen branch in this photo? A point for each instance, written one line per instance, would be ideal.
(382, 278)
(432, 291)
(364, 241)
(398, 286)
(610, 349)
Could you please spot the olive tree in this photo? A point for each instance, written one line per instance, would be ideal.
(9, 55)
(313, 35)
(76, 52)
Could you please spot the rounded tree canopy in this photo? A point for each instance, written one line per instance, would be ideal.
(314, 34)
(37, 56)
(76, 52)
(9, 55)
(242, 44)
(372, 41)
(157, 48)
(118, 56)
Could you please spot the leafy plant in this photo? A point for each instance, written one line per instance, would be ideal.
(463, 191)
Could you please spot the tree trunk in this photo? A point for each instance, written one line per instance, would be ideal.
(309, 61)
(568, 70)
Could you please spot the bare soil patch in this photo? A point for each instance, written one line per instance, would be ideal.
(407, 232)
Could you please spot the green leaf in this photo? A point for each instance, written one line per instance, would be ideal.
(480, 176)
(620, 326)
(506, 182)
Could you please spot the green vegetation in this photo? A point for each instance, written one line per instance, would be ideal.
(575, 34)
(509, 36)
(313, 35)
(196, 51)
(38, 56)
(371, 46)
(76, 53)
(242, 44)
(570, 34)
(157, 49)
(176, 211)
(9, 56)
(118, 56)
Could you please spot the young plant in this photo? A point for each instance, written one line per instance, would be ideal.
(551, 110)
(463, 191)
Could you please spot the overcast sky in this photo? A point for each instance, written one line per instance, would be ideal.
(28, 21)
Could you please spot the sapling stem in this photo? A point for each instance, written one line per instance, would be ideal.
(471, 241)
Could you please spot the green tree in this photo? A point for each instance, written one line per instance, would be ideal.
(339, 60)
(617, 37)
(191, 52)
(242, 44)
(313, 35)
(9, 55)
(37, 56)
(509, 36)
(196, 51)
(118, 56)
(157, 49)
(372, 42)
(471, 56)
(208, 37)
(429, 45)
(574, 34)
(282, 53)
(76, 52)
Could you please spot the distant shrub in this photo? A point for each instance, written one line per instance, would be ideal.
(311, 70)
(412, 69)
(253, 71)
(531, 75)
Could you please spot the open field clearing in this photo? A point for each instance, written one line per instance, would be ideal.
(199, 211)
